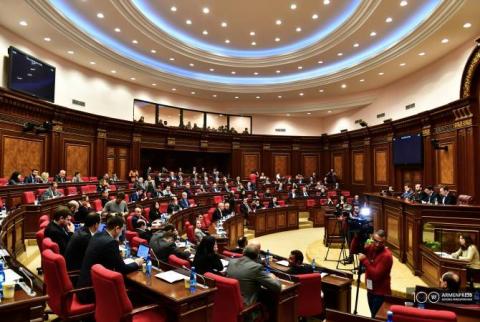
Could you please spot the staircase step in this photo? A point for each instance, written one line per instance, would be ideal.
(304, 225)
(303, 214)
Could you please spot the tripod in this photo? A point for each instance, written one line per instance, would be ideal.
(360, 270)
(334, 238)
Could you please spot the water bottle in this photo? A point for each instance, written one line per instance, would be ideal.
(193, 280)
(127, 249)
(389, 316)
(267, 261)
(2, 280)
(148, 270)
(314, 265)
(37, 201)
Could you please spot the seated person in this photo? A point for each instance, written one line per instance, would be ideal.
(173, 206)
(356, 201)
(295, 263)
(137, 215)
(52, 192)
(199, 233)
(78, 243)
(293, 194)
(241, 243)
(104, 198)
(267, 194)
(431, 195)
(165, 246)
(183, 203)
(83, 210)
(446, 198)
(142, 230)
(77, 177)
(273, 203)
(252, 275)
(33, 177)
(304, 192)
(167, 192)
(60, 230)
(155, 212)
(218, 213)
(419, 195)
(407, 192)
(206, 257)
(467, 251)
(450, 282)
(103, 249)
(73, 206)
(227, 210)
(117, 205)
(245, 208)
(61, 176)
(138, 195)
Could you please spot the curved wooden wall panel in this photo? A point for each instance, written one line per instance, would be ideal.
(22, 154)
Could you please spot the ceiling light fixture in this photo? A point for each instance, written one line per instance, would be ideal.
(117, 29)
(233, 72)
(153, 51)
(402, 64)
(205, 32)
(70, 52)
(193, 93)
(257, 97)
(466, 25)
(344, 85)
(92, 63)
(356, 44)
(277, 71)
(174, 89)
(24, 23)
(279, 96)
(191, 64)
(278, 22)
(255, 73)
(188, 22)
(254, 43)
(154, 84)
(421, 54)
(444, 40)
(252, 33)
(224, 24)
(301, 94)
(214, 95)
(314, 16)
(329, 111)
(320, 62)
(100, 15)
(212, 69)
(403, 3)
(298, 29)
(236, 97)
(362, 80)
(171, 59)
(173, 8)
(277, 39)
(47, 39)
(381, 73)
(227, 41)
(373, 34)
(340, 54)
(206, 10)
(113, 71)
(132, 78)
(388, 20)
(293, 6)
(326, 2)
(135, 41)
(299, 67)
(288, 114)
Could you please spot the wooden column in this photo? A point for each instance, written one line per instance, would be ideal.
(100, 153)
(295, 160)
(368, 165)
(267, 161)
(428, 162)
(135, 152)
(57, 160)
(236, 160)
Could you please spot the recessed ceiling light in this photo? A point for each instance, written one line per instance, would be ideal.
(132, 78)
(403, 3)
(171, 59)
(117, 29)
(308, 113)
(329, 111)
(301, 94)
(299, 67)
(154, 84)
(214, 95)
(373, 34)
(47, 39)
(227, 41)
(277, 39)
(421, 54)
(92, 63)
(113, 71)
(70, 52)
(206, 10)
(153, 51)
(340, 54)
(212, 69)
(277, 71)
(356, 44)
(188, 22)
(252, 33)
(444, 40)
(344, 85)
(174, 89)
(388, 20)
(257, 97)
(326, 2)
(314, 16)
(321, 90)
(173, 8)
(233, 72)
(205, 32)
(254, 43)
(135, 41)
(362, 80)
(298, 29)
(403, 64)
(381, 73)
(293, 6)
(255, 73)
(24, 23)
(100, 15)
(193, 93)
(288, 114)
(278, 22)
(320, 62)
(466, 25)
(191, 64)
(224, 24)
(236, 97)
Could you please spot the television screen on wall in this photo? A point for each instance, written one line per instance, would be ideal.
(30, 75)
(408, 150)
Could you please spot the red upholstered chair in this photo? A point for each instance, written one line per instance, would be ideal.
(191, 234)
(84, 190)
(186, 224)
(178, 262)
(129, 235)
(192, 203)
(130, 186)
(28, 197)
(265, 204)
(47, 243)
(3, 181)
(323, 202)
(93, 179)
(43, 218)
(310, 302)
(50, 179)
(127, 198)
(111, 197)
(113, 187)
(97, 205)
(62, 297)
(234, 189)
(281, 202)
(464, 200)
(44, 224)
(349, 200)
(217, 199)
(130, 222)
(211, 211)
(112, 302)
(310, 203)
(207, 220)
(413, 314)
(39, 236)
(228, 300)
(345, 193)
(85, 179)
(146, 213)
(69, 178)
(137, 241)
(163, 207)
(41, 191)
(231, 254)
(62, 191)
(72, 191)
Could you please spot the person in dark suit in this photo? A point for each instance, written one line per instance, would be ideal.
(155, 212)
(78, 244)
(241, 243)
(273, 203)
(52, 192)
(251, 275)
(173, 206)
(83, 210)
(183, 203)
(163, 245)
(419, 195)
(206, 257)
(292, 194)
(33, 177)
(137, 215)
(61, 177)
(295, 263)
(432, 196)
(245, 208)
(218, 213)
(103, 249)
(143, 231)
(58, 230)
(407, 192)
(138, 195)
(15, 178)
(304, 192)
(446, 198)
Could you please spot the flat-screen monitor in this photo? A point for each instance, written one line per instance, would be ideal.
(30, 75)
(408, 150)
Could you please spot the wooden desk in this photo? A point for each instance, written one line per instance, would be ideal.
(272, 220)
(179, 302)
(23, 307)
(336, 316)
(285, 303)
(234, 228)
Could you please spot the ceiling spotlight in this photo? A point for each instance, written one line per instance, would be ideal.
(403, 3)
(279, 96)
(299, 67)
(363, 123)
(233, 72)
(255, 73)
(227, 41)
(340, 54)
(381, 73)
(132, 78)
(329, 111)
(214, 95)
(193, 93)
(301, 94)
(388, 20)
(135, 41)
(326, 2)
(212, 69)
(174, 89)
(402, 64)
(257, 97)
(254, 43)
(277, 39)
(191, 64)
(173, 8)
(344, 85)
(92, 63)
(24, 23)
(298, 29)
(466, 25)
(100, 15)
(308, 113)
(154, 84)
(321, 90)
(171, 59)
(206, 10)
(444, 40)
(356, 44)
(315, 16)
(188, 22)
(288, 114)
(421, 54)
(70, 52)
(47, 39)
(252, 33)
(278, 22)
(320, 62)
(277, 71)
(293, 6)
(153, 51)
(117, 29)
(224, 24)
(373, 34)
(362, 80)
(205, 32)
(113, 71)
(236, 97)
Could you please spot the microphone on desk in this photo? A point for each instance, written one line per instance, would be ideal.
(204, 285)
(28, 290)
(155, 257)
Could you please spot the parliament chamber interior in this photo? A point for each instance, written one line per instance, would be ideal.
(228, 161)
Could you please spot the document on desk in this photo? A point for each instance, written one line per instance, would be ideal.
(11, 276)
(128, 261)
(283, 262)
(224, 262)
(443, 254)
(323, 274)
(170, 276)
